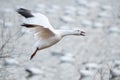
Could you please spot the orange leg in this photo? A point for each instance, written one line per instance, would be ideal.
(34, 53)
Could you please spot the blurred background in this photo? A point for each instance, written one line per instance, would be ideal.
(93, 57)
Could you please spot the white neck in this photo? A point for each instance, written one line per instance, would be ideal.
(67, 32)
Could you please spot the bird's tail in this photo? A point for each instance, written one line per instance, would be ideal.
(25, 12)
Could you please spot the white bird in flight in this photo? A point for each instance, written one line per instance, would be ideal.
(43, 30)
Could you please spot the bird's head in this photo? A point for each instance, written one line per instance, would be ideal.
(79, 32)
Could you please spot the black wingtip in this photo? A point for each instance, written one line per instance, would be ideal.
(25, 12)
(28, 25)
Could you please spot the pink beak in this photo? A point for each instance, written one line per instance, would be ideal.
(82, 33)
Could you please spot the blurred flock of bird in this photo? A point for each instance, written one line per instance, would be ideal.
(93, 57)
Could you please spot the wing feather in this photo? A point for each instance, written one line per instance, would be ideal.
(37, 23)
(39, 31)
(39, 19)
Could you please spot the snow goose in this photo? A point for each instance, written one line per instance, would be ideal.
(11, 62)
(43, 30)
(32, 71)
(87, 23)
(114, 29)
(106, 8)
(104, 15)
(67, 19)
(57, 53)
(98, 24)
(92, 66)
(67, 58)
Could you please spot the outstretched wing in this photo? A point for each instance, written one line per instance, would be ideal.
(39, 31)
(38, 23)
